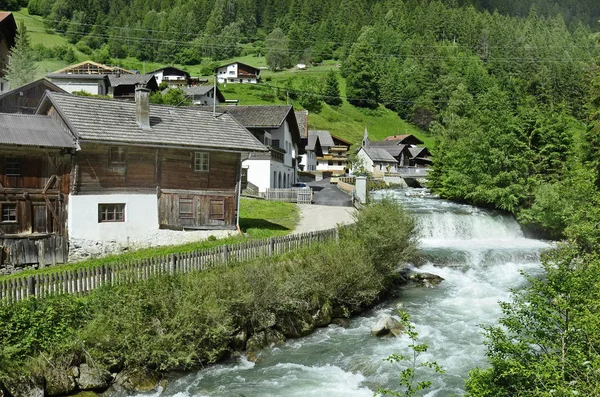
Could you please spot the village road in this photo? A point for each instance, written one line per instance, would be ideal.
(326, 193)
(320, 217)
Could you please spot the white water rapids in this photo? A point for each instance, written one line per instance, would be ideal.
(478, 253)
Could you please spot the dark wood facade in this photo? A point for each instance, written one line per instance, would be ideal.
(34, 187)
(186, 198)
(26, 99)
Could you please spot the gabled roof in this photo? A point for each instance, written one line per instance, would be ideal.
(397, 150)
(114, 121)
(171, 68)
(8, 27)
(302, 119)
(266, 117)
(129, 79)
(406, 138)
(240, 63)
(419, 152)
(202, 90)
(46, 83)
(91, 67)
(33, 130)
(323, 136)
(337, 140)
(379, 154)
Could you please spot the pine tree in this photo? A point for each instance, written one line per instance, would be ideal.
(362, 89)
(331, 92)
(276, 46)
(22, 67)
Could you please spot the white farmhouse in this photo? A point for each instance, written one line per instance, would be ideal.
(238, 72)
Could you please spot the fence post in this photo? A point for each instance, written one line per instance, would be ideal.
(31, 285)
(173, 266)
(337, 234)
(271, 246)
(225, 250)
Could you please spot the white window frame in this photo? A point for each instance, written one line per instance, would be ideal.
(201, 161)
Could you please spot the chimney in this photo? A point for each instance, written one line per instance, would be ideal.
(142, 106)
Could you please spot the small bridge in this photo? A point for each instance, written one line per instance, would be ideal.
(411, 172)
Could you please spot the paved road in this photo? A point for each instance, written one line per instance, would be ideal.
(331, 207)
(320, 217)
(326, 193)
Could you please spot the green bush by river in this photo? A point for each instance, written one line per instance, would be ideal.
(183, 321)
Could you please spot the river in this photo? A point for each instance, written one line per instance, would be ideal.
(478, 253)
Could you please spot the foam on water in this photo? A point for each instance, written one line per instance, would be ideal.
(479, 254)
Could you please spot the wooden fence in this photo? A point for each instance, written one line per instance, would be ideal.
(292, 195)
(79, 281)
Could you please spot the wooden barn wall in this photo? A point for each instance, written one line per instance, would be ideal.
(40, 193)
(169, 215)
(39, 236)
(25, 103)
(145, 169)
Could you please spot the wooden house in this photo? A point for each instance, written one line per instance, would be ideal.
(122, 86)
(202, 95)
(8, 31)
(330, 152)
(238, 72)
(35, 175)
(140, 168)
(26, 99)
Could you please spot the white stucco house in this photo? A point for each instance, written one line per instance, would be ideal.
(174, 77)
(238, 72)
(375, 160)
(277, 128)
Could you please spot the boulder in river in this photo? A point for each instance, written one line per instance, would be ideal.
(25, 386)
(426, 279)
(387, 326)
(93, 379)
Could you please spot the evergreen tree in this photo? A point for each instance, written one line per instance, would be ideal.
(21, 69)
(276, 47)
(331, 92)
(362, 89)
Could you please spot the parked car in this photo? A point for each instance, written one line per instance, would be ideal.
(334, 179)
(300, 185)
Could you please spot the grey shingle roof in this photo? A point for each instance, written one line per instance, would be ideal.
(76, 76)
(33, 130)
(419, 151)
(396, 150)
(109, 120)
(259, 116)
(302, 119)
(129, 79)
(324, 137)
(379, 154)
(198, 89)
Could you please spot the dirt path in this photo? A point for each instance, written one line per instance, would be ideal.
(320, 217)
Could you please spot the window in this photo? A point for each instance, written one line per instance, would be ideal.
(201, 161)
(13, 167)
(217, 209)
(339, 163)
(275, 143)
(117, 156)
(232, 72)
(186, 208)
(111, 213)
(330, 163)
(9, 213)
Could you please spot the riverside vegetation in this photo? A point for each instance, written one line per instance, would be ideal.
(180, 322)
